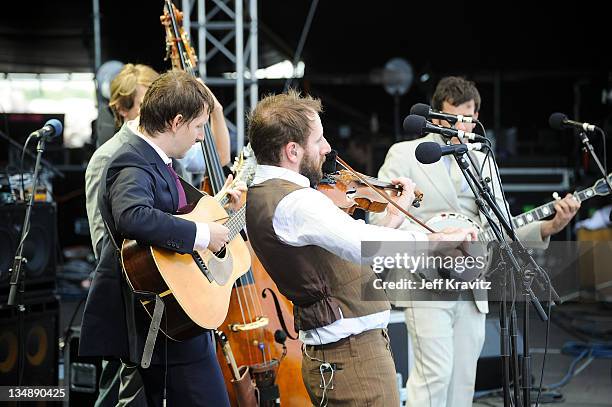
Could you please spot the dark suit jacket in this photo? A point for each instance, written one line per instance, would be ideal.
(136, 197)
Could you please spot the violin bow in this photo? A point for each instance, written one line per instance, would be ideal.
(382, 194)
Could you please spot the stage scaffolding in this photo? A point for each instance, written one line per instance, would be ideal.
(219, 30)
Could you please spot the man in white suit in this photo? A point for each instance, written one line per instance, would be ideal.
(448, 336)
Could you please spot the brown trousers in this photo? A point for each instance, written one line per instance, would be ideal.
(365, 374)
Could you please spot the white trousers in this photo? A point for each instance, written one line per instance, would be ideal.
(446, 345)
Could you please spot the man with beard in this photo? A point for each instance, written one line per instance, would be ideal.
(346, 354)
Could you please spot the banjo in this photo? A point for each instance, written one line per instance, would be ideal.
(485, 233)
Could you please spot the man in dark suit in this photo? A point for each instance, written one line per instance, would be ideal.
(138, 192)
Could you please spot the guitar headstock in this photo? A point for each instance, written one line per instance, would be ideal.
(245, 165)
(601, 187)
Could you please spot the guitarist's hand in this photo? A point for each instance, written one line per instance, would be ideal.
(566, 209)
(219, 236)
(235, 193)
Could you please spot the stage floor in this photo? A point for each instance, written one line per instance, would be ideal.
(590, 388)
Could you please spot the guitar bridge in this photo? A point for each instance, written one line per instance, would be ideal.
(202, 266)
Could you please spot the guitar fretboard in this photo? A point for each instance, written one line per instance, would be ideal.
(548, 209)
(236, 222)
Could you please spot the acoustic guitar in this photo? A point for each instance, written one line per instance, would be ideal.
(195, 287)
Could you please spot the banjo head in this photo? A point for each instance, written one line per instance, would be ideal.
(452, 220)
(457, 220)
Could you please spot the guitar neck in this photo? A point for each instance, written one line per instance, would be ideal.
(548, 209)
(236, 222)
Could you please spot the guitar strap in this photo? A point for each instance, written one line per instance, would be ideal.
(158, 312)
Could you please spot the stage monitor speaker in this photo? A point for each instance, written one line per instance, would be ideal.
(39, 336)
(39, 248)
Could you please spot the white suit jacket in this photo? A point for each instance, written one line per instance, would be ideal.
(439, 195)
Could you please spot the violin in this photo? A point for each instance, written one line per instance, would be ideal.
(355, 190)
(349, 192)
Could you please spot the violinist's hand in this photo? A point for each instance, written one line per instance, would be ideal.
(219, 236)
(407, 195)
(394, 217)
(235, 193)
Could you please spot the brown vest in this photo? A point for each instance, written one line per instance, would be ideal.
(318, 282)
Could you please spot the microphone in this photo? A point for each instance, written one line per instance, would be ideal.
(559, 121)
(421, 109)
(429, 152)
(53, 128)
(417, 126)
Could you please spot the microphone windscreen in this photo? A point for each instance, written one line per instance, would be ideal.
(329, 166)
(556, 121)
(420, 109)
(57, 127)
(414, 125)
(428, 152)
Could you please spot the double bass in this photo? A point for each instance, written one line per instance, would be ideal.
(259, 324)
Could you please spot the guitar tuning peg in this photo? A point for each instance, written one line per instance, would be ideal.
(556, 196)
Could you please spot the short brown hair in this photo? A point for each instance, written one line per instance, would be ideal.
(123, 88)
(456, 91)
(174, 92)
(278, 120)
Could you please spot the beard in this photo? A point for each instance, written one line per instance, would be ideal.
(311, 168)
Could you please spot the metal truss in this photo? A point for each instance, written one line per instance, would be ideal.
(217, 23)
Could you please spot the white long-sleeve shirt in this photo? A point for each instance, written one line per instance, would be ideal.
(307, 217)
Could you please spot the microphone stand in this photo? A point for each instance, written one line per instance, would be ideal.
(16, 275)
(485, 201)
(589, 147)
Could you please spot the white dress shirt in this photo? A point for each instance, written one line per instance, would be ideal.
(307, 217)
(202, 238)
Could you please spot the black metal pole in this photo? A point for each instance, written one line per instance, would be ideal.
(589, 147)
(477, 189)
(16, 274)
(504, 344)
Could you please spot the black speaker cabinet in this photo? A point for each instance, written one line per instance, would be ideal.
(39, 247)
(38, 334)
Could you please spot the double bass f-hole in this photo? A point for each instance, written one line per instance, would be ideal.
(279, 312)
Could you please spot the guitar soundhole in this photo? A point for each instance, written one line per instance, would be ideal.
(221, 253)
